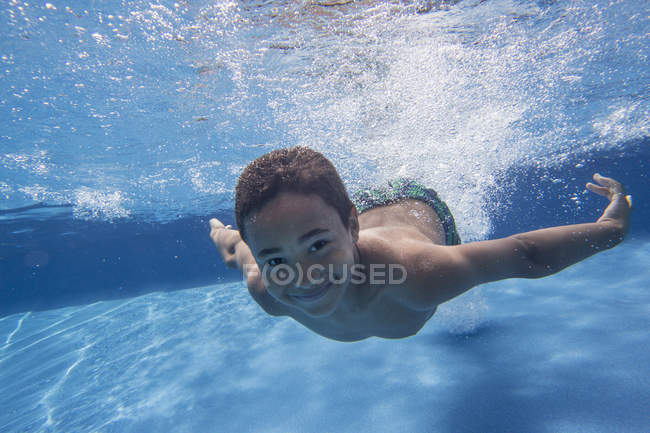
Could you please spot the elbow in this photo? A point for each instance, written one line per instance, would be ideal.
(528, 263)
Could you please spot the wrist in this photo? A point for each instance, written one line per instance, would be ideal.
(622, 201)
(243, 254)
(618, 209)
(628, 198)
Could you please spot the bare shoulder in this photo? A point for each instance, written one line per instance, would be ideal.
(384, 244)
(438, 273)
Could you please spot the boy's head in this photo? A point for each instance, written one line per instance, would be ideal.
(298, 170)
(295, 215)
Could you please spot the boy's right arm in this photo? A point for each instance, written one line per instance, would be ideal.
(236, 254)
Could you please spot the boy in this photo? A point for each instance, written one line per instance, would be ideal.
(381, 267)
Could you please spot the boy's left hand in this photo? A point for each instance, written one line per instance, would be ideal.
(608, 187)
(620, 205)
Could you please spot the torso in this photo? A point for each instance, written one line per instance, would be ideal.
(379, 312)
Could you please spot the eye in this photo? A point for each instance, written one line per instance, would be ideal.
(275, 261)
(318, 245)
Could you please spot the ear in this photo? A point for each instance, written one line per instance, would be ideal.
(353, 223)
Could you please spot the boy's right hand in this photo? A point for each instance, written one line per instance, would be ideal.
(226, 240)
(236, 254)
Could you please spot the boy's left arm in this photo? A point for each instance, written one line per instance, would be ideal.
(436, 274)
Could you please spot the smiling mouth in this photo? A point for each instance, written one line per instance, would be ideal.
(318, 293)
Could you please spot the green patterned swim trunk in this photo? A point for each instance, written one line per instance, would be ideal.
(402, 188)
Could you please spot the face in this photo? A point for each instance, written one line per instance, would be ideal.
(304, 251)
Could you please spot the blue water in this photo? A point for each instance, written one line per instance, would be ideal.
(124, 126)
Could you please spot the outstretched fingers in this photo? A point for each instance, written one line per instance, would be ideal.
(601, 190)
(226, 240)
(215, 224)
(606, 181)
(607, 187)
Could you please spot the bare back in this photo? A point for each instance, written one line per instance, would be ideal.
(414, 216)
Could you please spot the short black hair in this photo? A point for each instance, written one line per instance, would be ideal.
(298, 169)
